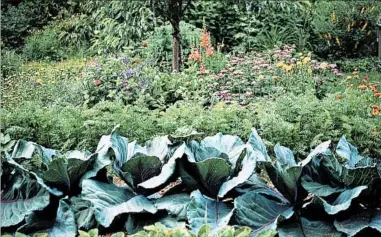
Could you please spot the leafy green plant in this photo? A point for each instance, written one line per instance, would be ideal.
(120, 24)
(43, 44)
(19, 18)
(6, 143)
(221, 175)
(345, 29)
(159, 43)
(366, 65)
(10, 63)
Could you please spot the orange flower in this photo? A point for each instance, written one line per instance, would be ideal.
(376, 111)
(339, 97)
(366, 77)
(209, 51)
(204, 42)
(137, 60)
(195, 56)
(362, 87)
(202, 69)
(378, 94)
(144, 43)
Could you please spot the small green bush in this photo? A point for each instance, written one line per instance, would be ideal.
(43, 45)
(366, 65)
(10, 63)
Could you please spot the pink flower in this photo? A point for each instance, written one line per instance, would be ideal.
(97, 82)
(124, 84)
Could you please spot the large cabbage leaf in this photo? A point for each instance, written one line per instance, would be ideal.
(262, 210)
(58, 173)
(336, 184)
(110, 201)
(63, 225)
(308, 228)
(203, 210)
(20, 197)
(356, 223)
(84, 213)
(176, 205)
(217, 164)
(148, 167)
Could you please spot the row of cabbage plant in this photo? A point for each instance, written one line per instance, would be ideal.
(217, 181)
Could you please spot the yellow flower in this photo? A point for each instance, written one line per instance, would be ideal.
(355, 73)
(349, 77)
(38, 81)
(300, 54)
(309, 70)
(306, 60)
(280, 64)
(287, 67)
(261, 77)
(338, 41)
(324, 66)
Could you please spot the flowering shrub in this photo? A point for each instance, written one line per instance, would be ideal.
(345, 29)
(265, 73)
(369, 87)
(205, 57)
(115, 78)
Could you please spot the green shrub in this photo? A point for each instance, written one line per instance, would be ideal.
(298, 121)
(345, 29)
(221, 19)
(266, 24)
(119, 24)
(365, 65)
(10, 63)
(18, 20)
(303, 121)
(43, 45)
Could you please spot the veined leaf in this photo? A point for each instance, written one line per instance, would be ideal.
(110, 201)
(309, 228)
(354, 224)
(176, 205)
(203, 210)
(261, 210)
(22, 197)
(257, 144)
(342, 202)
(63, 225)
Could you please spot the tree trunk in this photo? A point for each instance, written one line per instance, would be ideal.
(176, 46)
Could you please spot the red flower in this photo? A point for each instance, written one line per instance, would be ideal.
(97, 82)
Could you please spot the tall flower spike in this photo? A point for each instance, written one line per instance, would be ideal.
(204, 42)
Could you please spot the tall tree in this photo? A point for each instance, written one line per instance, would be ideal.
(172, 11)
